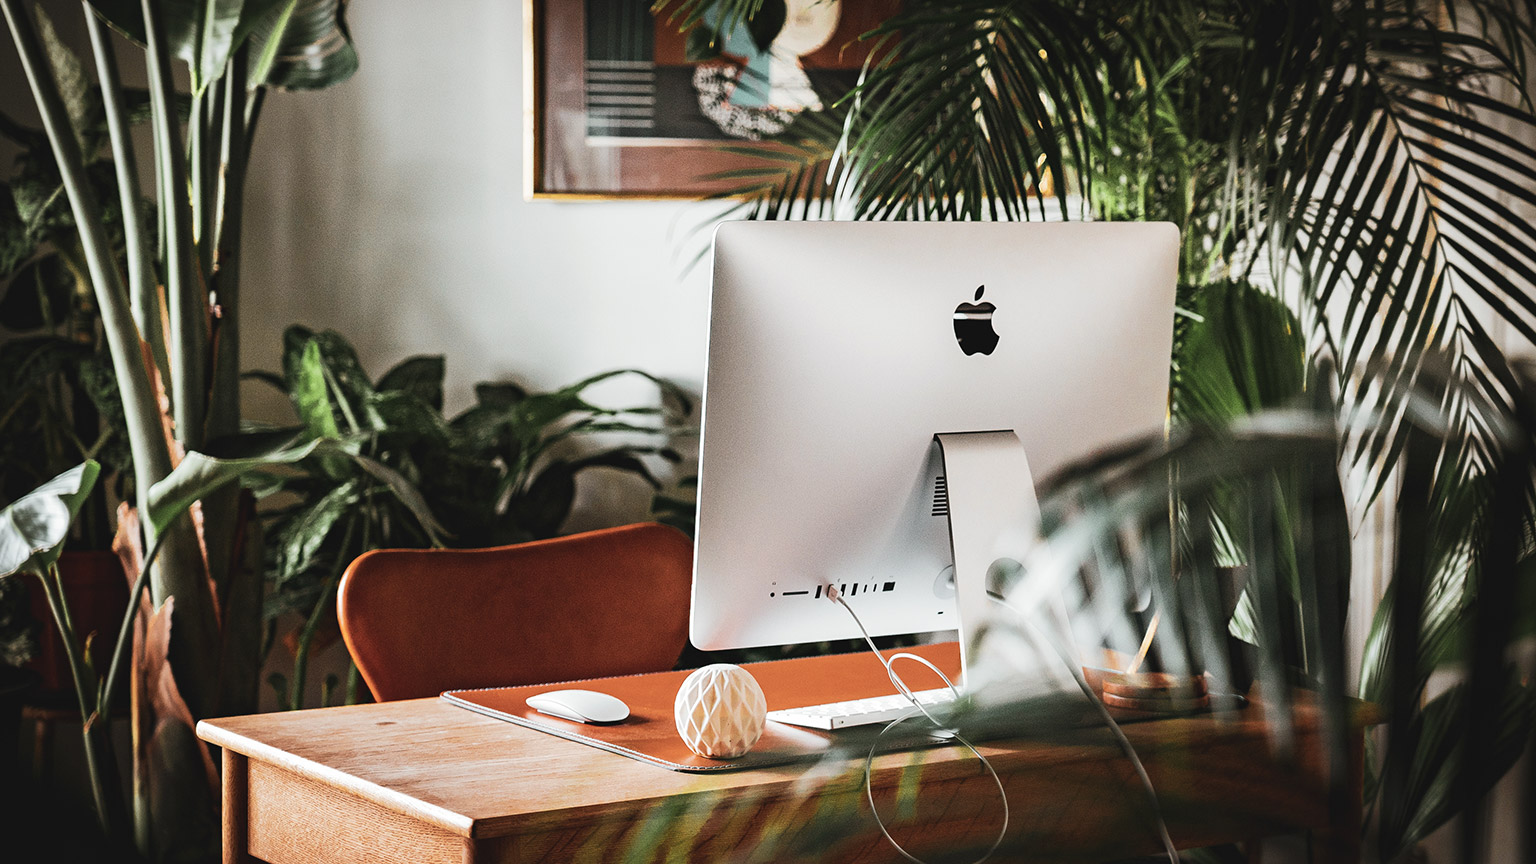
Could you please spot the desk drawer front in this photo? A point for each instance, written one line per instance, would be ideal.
(294, 820)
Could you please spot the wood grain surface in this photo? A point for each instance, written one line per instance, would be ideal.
(425, 781)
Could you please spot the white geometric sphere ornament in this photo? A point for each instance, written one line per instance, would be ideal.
(720, 711)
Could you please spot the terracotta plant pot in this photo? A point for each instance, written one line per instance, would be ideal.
(97, 594)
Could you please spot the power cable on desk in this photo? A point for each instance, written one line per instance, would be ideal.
(901, 686)
(869, 758)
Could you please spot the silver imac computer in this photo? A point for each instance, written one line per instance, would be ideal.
(838, 351)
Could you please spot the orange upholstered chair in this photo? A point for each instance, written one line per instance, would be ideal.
(610, 602)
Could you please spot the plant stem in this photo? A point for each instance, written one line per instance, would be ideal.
(208, 146)
(253, 104)
(194, 652)
(143, 293)
(156, 107)
(220, 243)
(312, 624)
(224, 404)
(188, 306)
(197, 177)
(354, 682)
(53, 589)
(233, 152)
(216, 241)
(306, 637)
(124, 633)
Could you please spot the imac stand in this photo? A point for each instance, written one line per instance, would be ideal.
(991, 496)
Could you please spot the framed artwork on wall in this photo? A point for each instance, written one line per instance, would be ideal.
(618, 104)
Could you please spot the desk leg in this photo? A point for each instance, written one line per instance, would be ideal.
(236, 787)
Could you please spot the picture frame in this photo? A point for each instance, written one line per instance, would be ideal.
(618, 104)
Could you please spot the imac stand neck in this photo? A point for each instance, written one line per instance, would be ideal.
(991, 498)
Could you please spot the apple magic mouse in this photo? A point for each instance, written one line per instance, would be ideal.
(583, 706)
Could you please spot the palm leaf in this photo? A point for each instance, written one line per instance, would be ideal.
(1317, 146)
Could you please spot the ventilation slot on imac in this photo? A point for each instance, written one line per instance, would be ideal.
(940, 496)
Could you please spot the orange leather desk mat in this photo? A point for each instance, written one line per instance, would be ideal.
(650, 733)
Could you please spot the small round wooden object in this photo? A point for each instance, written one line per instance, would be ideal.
(720, 711)
(1155, 692)
(1157, 705)
(1155, 685)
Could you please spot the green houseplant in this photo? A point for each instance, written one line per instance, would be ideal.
(502, 471)
(57, 385)
(234, 52)
(1364, 163)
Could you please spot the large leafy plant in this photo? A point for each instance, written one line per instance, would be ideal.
(1153, 517)
(503, 471)
(58, 384)
(56, 380)
(170, 318)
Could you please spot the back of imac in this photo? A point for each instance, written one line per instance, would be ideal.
(837, 350)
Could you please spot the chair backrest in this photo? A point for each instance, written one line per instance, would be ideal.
(609, 602)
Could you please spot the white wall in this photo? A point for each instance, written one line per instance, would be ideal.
(391, 209)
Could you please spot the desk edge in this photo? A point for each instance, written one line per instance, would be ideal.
(459, 824)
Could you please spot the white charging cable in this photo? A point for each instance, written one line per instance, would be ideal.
(1077, 675)
(951, 734)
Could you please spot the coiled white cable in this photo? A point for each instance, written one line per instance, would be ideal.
(896, 680)
(869, 758)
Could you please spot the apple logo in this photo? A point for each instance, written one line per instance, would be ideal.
(973, 326)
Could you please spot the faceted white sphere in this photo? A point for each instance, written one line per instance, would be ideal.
(720, 711)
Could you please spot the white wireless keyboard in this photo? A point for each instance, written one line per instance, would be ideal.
(859, 712)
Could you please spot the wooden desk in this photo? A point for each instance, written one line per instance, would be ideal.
(423, 781)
